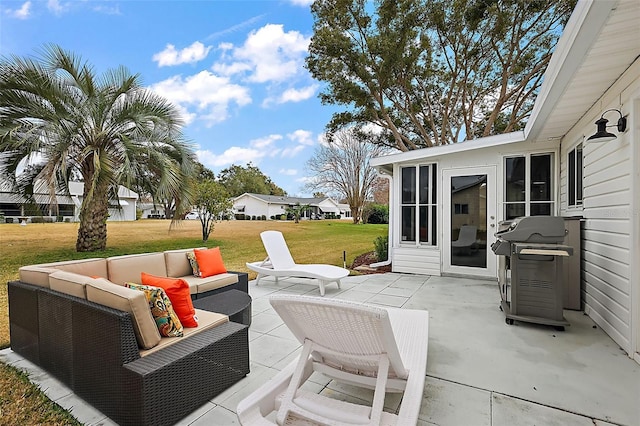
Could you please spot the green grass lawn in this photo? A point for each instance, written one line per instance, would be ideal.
(309, 241)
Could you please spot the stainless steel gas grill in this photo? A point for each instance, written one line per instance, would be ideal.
(530, 248)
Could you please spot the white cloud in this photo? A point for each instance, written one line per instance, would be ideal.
(235, 28)
(297, 95)
(302, 137)
(114, 10)
(301, 2)
(232, 155)
(56, 7)
(23, 13)
(269, 55)
(208, 93)
(288, 172)
(265, 142)
(191, 54)
(304, 179)
(292, 151)
(258, 149)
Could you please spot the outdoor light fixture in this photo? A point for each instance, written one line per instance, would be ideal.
(602, 135)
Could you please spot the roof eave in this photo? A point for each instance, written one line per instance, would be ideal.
(583, 28)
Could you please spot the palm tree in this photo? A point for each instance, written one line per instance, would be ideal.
(66, 122)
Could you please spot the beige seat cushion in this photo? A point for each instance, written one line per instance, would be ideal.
(125, 299)
(69, 283)
(206, 320)
(177, 263)
(123, 269)
(201, 285)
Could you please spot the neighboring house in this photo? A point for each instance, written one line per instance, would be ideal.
(274, 206)
(549, 168)
(14, 207)
(152, 211)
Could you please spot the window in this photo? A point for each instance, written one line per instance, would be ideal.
(461, 208)
(418, 209)
(528, 185)
(574, 178)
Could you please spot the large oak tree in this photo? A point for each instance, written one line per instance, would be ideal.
(433, 72)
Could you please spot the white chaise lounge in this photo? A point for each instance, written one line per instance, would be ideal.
(378, 348)
(279, 263)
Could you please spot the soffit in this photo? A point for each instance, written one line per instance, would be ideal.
(615, 49)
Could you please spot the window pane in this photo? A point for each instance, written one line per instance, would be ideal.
(541, 177)
(424, 224)
(424, 184)
(434, 240)
(408, 185)
(514, 169)
(408, 223)
(572, 178)
(434, 191)
(511, 211)
(579, 174)
(543, 209)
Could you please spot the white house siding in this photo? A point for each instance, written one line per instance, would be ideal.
(610, 196)
(416, 260)
(426, 259)
(252, 206)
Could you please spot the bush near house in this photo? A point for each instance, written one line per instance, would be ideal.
(382, 247)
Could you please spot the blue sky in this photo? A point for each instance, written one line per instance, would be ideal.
(235, 69)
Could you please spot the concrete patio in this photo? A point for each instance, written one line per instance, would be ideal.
(480, 371)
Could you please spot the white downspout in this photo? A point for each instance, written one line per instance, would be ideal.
(391, 224)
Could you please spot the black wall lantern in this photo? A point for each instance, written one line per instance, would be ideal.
(602, 135)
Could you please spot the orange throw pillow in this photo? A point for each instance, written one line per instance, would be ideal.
(210, 262)
(178, 291)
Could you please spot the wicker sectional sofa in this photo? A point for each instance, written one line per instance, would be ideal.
(77, 321)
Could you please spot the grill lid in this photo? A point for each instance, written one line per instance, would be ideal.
(532, 229)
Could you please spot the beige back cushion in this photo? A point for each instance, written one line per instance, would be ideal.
(202, 285)
(69, 283)
(177, 263)
(39, 274)
(123, 269)
(36, 275)
(126, 299)
(88, 267)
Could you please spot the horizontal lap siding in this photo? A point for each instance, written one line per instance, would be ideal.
(606, 237)
(416, 260)
(607, 231)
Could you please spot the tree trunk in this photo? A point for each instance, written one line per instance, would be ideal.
(355, 215)
(92, 234)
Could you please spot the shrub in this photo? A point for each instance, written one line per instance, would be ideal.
(376, 213)
(239, 216)
(253, 217)
(263, 217)
(381, 245)
(283, 217)
(37, 219)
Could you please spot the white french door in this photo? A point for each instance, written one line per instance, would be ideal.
(469, 221)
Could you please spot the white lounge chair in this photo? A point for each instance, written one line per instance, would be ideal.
(279, 263)
(366, 346)
(466, 238)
